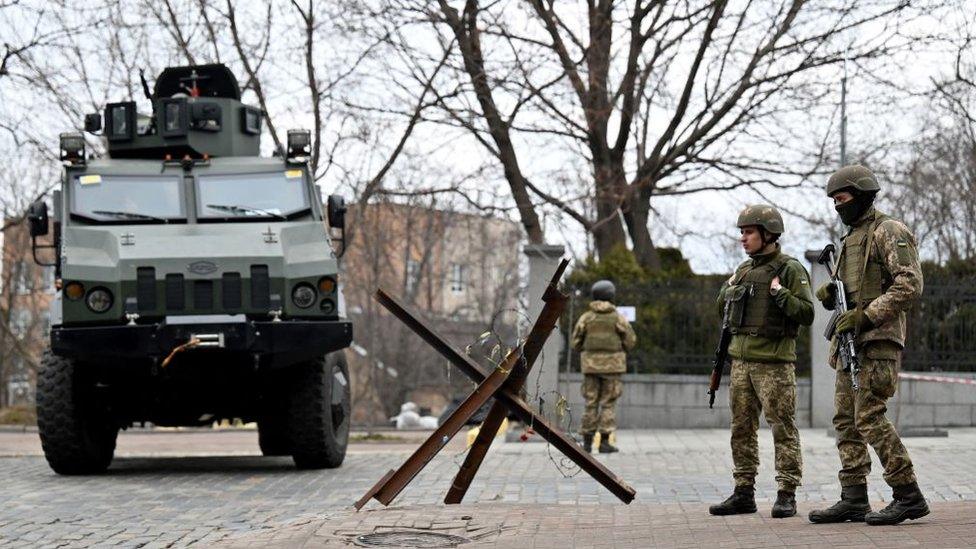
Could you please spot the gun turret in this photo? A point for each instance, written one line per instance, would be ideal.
(197, 112)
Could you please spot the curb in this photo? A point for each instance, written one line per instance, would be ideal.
(18, 428)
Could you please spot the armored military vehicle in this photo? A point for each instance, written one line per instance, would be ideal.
(197, 281)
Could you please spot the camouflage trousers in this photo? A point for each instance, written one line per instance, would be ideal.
(601, 392)
(770, 388)
(859, 419)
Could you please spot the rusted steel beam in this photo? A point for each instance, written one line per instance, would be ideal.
(552, 434)
(440, 437)
(394, 482)
(372, 491)
(569, 448)
(464, 363)
(555, 303)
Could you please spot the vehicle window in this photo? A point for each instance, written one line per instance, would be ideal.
(148, 199)
(259, 195)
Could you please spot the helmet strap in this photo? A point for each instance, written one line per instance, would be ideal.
(762, 236)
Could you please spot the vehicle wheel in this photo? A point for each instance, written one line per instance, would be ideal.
(272, 436)
(77, 439)
(318, 412)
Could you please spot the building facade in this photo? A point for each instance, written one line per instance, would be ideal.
(460, 271)
(25, 297)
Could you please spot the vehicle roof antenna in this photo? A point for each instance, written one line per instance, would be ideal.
(145, 85)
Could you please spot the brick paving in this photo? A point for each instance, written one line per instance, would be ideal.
(179, 489)
(638, 525)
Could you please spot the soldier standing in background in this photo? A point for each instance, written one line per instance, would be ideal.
(879, 265)
(603, 336)
(767, 300)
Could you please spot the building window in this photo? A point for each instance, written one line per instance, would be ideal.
(48, 281)
(20, 321)
(45, 322)
(413, 275)
(19, 389)
(458, 278)
(23, 278)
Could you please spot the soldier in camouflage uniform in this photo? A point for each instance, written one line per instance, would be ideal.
(879, 266)
(767, 299)
(603, 336)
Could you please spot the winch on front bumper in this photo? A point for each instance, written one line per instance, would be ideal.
(277, 343)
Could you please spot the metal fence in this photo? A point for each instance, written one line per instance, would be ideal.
(942, 326)
(677, 325)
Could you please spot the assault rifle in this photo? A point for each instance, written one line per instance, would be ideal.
(845, 341)
(721, 355)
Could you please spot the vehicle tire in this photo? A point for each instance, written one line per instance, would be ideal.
(77, 439)
(319, 412)
(273, 437)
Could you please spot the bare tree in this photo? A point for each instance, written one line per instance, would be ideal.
(658, 98)
(936, 190)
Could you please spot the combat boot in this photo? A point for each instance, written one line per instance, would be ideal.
(785, 505)
(605, 446)
(853, 505)
(588, 442)
(907, 502)
(742, 500)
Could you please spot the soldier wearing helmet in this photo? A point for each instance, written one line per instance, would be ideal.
(767, 299)
(879, 265)
(603, 336)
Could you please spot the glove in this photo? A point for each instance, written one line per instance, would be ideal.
(854, 320)
(827, 294)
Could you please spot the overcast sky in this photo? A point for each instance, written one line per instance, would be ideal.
(702, 225)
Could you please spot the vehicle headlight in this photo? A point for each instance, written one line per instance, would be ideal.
(327, 306)
(99, 300)
(303, 295)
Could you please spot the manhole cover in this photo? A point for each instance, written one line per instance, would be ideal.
(409, 539)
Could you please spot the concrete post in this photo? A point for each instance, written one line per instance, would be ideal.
(821, 375)
(543, 260)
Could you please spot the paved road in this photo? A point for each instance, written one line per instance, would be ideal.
(179, 489)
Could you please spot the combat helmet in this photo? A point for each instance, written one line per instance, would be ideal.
(762, 215)
(603, 290)
(855, 177)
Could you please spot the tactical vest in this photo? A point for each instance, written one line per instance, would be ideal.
(863, 275)
(601, 334)
(752, 310)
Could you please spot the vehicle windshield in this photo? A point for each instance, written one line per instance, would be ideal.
(257, 195)
(127, 198)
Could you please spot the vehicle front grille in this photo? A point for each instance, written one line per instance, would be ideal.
(260, 287)
(175, 293)
(146, 288)
(231, 291)
(203, 294)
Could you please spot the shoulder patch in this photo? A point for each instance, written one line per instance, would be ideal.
(904, 253)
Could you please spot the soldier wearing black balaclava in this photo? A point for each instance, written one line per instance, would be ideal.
(879, 267)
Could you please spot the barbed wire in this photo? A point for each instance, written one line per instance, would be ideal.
(561, 414)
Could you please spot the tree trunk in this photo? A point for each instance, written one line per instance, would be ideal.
(636, 216)
(608, 231)
(467, 34)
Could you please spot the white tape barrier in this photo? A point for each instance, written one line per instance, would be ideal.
(937, 379)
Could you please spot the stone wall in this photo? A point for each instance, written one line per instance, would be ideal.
(661, 401)
(933, 404)
(652, 401)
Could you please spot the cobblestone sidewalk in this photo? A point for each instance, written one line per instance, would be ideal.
(222, 489)
(639, 525)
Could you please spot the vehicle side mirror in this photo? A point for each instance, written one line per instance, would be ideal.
(337, 212)
(37, 218)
